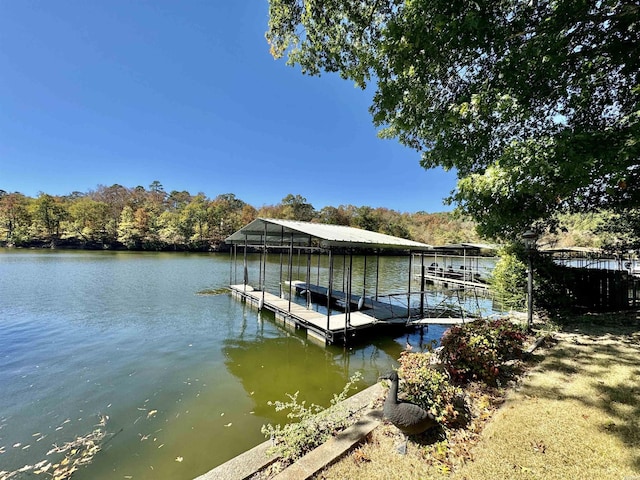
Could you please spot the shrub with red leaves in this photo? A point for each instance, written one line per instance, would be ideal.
(478, 350)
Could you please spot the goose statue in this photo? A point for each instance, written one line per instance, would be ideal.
(409, 418)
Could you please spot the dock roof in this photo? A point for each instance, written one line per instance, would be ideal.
(280, 232)
(465, 246)
(576, 250)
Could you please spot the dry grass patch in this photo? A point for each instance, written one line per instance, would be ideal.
(576, 415)
(377, 459)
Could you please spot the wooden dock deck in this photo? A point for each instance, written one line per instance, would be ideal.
(382, 311)
(296, 315)
(332, 328)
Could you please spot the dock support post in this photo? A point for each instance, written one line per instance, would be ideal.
(422, 285)
(263, 269)
(350, 278)
(347, 316)
(377, 272)
(233, 252)
(409, 289)
(329, 290)
(309, 274)
(260, 254)
(245, 278)
(464, 264)
(281, 244)
(364, 283)
(290, 268)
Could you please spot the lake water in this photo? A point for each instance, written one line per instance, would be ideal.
(181, 376)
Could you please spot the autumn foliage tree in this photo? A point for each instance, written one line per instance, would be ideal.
(152, 219)
(14, 217)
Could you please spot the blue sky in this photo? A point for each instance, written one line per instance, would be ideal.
(185, 92)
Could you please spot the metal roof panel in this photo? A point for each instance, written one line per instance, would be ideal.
(282, 232)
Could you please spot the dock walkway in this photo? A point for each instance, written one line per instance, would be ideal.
(383, 311)
(334, 327)
(320, 326)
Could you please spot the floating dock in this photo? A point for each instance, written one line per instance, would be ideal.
(325, 328)
(336, 327)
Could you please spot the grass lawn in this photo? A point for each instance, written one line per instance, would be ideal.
(575, 415)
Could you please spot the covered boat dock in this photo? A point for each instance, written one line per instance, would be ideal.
(459, 265)
(329, 314)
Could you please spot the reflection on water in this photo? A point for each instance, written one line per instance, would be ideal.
(303, 367)
(180, 375)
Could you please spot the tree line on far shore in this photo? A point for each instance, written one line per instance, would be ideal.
(139, 218)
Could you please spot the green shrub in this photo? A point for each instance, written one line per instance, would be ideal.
(430, 388)
(314, 425)
(478, 350)
(509, 278)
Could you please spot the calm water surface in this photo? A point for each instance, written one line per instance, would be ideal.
(85, 334)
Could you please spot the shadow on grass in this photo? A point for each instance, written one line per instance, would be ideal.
(434, 435)
(604, 350)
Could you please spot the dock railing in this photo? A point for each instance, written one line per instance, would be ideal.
(450, 303)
